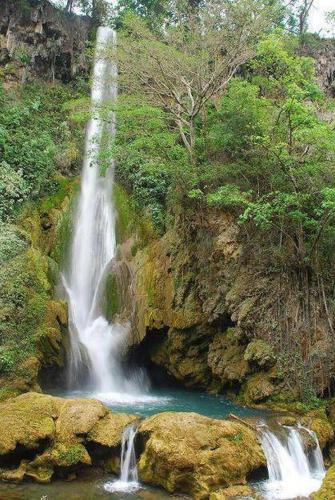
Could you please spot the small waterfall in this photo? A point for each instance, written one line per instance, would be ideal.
(95, 344)
(293, 471)
(128, 480)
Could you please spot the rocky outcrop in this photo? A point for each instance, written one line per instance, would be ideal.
(192, 454)
(218, 314)
(327, 490)
(34, 333)
(44, 436)
(323, 52)
(39, 40)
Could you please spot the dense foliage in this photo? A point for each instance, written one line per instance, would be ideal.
(217, 112)
(260, 145)
(38, 143)
(35, 142)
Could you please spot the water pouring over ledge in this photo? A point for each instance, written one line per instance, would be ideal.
(95, 344)
(128, 481)
(294, 472)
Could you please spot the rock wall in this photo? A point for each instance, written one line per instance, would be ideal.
(324, 55)
(215, 313)
(38, 40)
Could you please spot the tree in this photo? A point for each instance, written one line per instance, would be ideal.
(99, 10)
(330, 18)
(303, 14)
(155, 12)
(193, 57)
(298, 13)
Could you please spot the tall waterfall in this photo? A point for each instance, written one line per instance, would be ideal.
(95, 344)
(293, 473)
(128, 480)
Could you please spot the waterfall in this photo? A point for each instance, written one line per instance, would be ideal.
(128, 480)
(293, 472)
(95, 345)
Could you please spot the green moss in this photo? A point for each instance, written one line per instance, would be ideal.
(125, 213)
(129, 221)
(63, 234)
(260, 353)
(63, 187)
(112, 297)
(327, 490)
(68, 455)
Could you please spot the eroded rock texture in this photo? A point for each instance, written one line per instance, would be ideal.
(192, 454)
(38, 40)
(44, 436)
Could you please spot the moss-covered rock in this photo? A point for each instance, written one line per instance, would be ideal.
(108, 430)
(327, 490)
(226, 357)
(192, 454)
(42, 434)
(184, 355)
(260, 353)
(318, 422)
(233, 492)
(32, 323)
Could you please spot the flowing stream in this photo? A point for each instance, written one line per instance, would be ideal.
(94, 359)
(293, 471)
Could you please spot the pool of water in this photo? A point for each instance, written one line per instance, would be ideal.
(93, 486)
(167, 400)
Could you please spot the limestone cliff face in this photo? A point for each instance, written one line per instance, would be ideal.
(38, 40)
(197, 309)
(216, 313)
(324, 55)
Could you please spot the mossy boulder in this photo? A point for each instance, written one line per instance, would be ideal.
(108, 430)
(183, 354)
(41, 434)
(233, 492)
(260, 354)
(261, 386)
(327, 490)
(195, 455)
(318, 422)
(226, 357)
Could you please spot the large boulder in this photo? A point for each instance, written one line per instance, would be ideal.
(327, 490)
(41, 435)
(192, 454)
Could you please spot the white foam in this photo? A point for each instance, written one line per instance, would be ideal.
(283, 490)
(293, 472)
(127, 399)
(122, 486)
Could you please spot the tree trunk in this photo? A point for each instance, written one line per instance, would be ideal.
(69, 6)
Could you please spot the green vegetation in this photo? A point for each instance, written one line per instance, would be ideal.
(38, 143)
(194, 136)
(218, 113)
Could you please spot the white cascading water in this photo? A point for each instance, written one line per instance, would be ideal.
(128, 480)
(292, 472)
(95, 344)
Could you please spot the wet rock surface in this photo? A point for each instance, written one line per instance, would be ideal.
(38, 40)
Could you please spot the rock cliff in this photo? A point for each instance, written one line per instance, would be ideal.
(38, 40)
